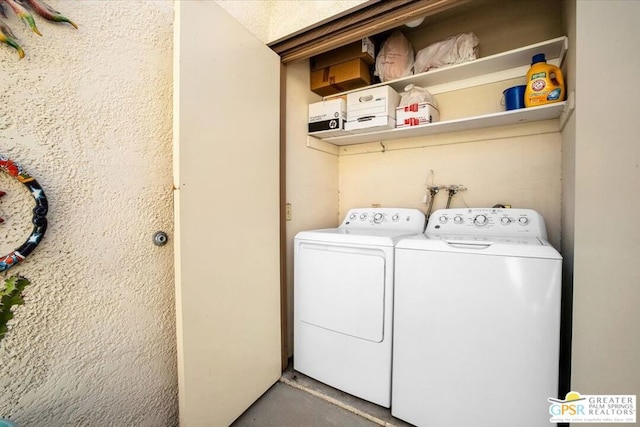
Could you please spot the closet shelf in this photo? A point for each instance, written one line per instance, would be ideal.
(490, 69)
(504, 118)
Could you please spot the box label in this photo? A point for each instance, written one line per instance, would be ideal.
(416, 114)
(368, 47)
(333, 124)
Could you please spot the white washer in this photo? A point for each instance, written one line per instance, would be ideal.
(343, 300)
(477, 321)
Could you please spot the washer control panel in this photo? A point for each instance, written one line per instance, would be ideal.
(386, 219)
(487, 221)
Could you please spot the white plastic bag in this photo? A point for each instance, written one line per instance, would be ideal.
(452, 50)
(415, 95)
(395, 59)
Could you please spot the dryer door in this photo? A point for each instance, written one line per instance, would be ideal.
(342, 289)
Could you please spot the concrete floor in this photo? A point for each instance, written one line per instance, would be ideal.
(299, 401)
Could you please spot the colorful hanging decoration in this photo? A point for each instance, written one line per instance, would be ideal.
(39, 214)
(21, 10)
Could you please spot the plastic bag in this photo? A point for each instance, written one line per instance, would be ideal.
(395, 59)
(415, 95)
(452, 50)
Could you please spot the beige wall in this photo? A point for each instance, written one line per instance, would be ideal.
(88, 113)
(312, 176)
(606, 348)
(496, 166)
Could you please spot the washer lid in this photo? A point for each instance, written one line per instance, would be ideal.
(371, 226)
(484, 240)
(378, 237)
(517, 246)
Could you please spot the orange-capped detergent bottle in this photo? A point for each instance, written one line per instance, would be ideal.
(545, 83)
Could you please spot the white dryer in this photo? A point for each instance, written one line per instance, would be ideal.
(477, 321)
(343, 300)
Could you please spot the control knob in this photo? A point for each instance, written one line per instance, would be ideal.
(457, 219)
(377, 218)
(523, 220)
(505, 220)
(395, 218)
(363, 216)
(480, 220)
(443, 219)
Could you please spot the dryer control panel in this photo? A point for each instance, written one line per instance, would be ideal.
(487, 221)
(411, 220)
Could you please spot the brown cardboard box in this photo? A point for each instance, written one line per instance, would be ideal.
(341, 77)
(363, 49)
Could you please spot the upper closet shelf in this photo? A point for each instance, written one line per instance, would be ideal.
(502, 66)
(507, 65)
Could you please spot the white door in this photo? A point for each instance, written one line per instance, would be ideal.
(226, 161)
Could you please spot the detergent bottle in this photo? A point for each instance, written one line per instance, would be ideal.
(545, 83)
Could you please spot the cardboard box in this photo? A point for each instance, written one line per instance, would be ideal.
(370, 124)
(416, 114)
(373, 102)
(362, 49)
(348, 75)
(327, 118)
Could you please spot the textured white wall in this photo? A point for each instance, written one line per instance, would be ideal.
(270, 20)
(88, 113)
(290, 16)
(253, 15)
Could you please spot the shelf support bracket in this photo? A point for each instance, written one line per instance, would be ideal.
(320, 145)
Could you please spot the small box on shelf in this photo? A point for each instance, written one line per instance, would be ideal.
(421, 113)
(341, 77)
(372, 109)
(327, 118)
(362, 49)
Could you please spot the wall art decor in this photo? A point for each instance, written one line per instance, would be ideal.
(39, 219)
(22, 8)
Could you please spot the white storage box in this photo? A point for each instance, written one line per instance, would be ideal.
(374, 102)
(370, 124)
(327, 118)
(372, 109)
(416, 114)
